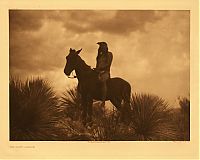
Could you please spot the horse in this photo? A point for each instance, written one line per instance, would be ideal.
(89, 86)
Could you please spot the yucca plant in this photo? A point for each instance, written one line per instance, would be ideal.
(184, 120)
(185, 105)
(104, 126)
(34, 110)
(71, 101)
(151, 118)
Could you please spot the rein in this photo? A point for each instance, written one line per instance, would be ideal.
(72, 77)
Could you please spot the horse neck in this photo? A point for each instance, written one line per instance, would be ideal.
(82, 69)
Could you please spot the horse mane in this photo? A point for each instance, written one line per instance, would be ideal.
(83, 64)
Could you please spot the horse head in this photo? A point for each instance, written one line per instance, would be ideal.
(71, 61)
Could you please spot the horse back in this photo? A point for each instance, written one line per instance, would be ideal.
(117, 86)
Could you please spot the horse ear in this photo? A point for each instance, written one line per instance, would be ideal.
(79, 51)
(70, 49)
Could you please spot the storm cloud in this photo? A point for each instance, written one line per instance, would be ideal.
(118, 22)
(20, 20)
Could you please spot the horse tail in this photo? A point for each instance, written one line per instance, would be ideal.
(126, 109)
(126, 95)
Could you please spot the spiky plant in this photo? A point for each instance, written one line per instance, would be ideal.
(185, 105)
(71, 101)
(184, 120)
(34, 110)
(105, 127)
(151, 118)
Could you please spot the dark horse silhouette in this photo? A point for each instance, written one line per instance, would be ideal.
(118, 90)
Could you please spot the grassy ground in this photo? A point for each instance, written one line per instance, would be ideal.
(36, 113)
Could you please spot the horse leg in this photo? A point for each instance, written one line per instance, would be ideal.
(89, 109)
(126, 106)
(116, 102)
(122, 107)
(85, 110)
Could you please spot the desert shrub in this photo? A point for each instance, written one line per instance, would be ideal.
(151, 118)
(104, 127)
(34, 110)
(71, 101)
(185, 105)
(184, 118)
(110, 127)
(73, 130)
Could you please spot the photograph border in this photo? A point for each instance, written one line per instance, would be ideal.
(100, 149)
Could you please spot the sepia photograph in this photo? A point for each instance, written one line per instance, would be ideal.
(99, 79)
(99, 75)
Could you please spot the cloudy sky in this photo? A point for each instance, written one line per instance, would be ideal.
(150, 48)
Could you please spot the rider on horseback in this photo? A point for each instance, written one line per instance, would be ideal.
(104, 60)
